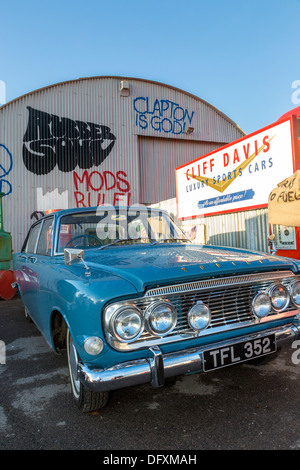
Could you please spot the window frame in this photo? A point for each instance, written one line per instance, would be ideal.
(40, 236)
(41, 223)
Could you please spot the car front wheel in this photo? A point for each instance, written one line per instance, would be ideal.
(86, 399)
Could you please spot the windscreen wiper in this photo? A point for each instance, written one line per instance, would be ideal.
(171, 240)
(114, 243)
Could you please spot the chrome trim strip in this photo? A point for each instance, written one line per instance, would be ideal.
(220, 282)
(148, 370)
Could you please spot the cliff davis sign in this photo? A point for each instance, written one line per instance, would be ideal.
(239, 176)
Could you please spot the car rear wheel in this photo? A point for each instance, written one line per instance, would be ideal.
(86, 399)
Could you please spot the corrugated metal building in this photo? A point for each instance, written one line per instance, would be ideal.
(100, 140)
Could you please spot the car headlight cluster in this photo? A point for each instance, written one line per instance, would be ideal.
(159, 319)
(127, 324)
(277, 298)
(199, 316)
(295, 293)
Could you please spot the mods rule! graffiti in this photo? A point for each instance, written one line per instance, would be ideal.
(50, 140)
(92, 188)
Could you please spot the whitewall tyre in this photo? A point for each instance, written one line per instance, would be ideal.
(86, 399)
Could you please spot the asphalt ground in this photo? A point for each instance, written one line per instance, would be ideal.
(244, 407)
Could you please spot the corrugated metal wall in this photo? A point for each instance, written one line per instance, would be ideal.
(158, 159)
(247, 229)
(82, 143)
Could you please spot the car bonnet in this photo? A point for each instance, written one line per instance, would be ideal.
(146, 266)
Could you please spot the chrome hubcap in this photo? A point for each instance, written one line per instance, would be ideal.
(73, 361)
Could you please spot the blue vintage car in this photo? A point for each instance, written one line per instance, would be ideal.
(134, 301)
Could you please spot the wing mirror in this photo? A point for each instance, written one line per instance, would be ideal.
(73, 256)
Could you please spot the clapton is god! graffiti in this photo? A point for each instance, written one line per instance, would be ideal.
(164, 116)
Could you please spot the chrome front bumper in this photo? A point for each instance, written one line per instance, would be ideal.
(154, 370)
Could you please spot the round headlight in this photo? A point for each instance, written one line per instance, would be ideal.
(127, 324)
(199, 316)
(295, 293)
(261, 305)
(279, 297)
(93, 345)
(160, 318)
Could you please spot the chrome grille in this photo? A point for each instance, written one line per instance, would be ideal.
(229, 300)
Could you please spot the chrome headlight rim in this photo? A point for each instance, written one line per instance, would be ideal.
(287, 300)
(192, 324)
(117, 314)
(291, 290)
(255, 299)
(150, 311)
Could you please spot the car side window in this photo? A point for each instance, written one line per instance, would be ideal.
(32, 238)
(45, 240)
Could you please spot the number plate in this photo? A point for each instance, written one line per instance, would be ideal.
(238, 352)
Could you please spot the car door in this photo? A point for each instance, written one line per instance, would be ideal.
(43, 269)
(32, 266)
(24, 274)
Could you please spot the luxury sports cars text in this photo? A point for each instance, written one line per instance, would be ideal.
(151, 459)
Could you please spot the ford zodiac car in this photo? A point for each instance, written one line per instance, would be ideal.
(133, 301)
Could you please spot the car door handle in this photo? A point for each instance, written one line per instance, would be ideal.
(23, 257)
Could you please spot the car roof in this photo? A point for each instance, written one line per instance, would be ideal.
(60, 212)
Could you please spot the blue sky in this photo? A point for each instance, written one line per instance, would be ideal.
(240, 56)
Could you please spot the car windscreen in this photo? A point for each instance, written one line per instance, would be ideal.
(106, 227)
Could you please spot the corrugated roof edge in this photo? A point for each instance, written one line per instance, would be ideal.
(127, 78)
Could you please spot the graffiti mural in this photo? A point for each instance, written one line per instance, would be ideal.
(163, 116)
(93, 188)
(6, 164)
(51, 140)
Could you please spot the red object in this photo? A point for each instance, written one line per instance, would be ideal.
(7, 292)
(293, 253)
(292, 112)
(50, 211)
